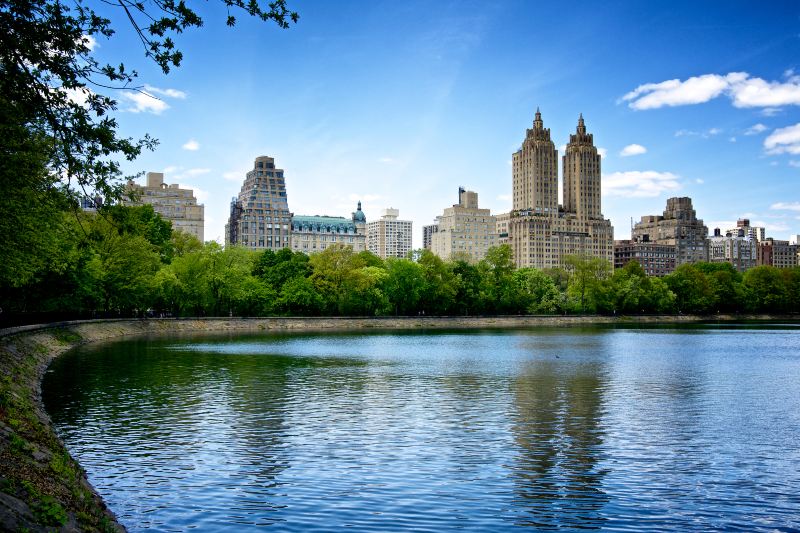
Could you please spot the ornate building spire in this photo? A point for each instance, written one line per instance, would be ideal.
(537, 122)
(581, 125)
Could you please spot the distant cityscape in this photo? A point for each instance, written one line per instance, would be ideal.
(540, 231)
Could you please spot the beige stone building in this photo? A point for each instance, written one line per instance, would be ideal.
(736, 248)
(502, 227)
(311, 234)
(388, 236)
(678, 226)
(427, 234)
(465, 230)
(540, 232)
(177, 205)
(259, 217)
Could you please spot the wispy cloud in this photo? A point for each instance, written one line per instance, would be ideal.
(200, 194)
(794, 163)
(191, 145)
(603, 152)
(786, 206)
(755, 129)
(743, 90)
(146, 101)
(640, 184)
(783, 140)
(173, 174)
(705, 134)
(633, 149)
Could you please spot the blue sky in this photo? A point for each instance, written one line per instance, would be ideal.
(400, 103)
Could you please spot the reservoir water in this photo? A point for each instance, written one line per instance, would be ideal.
(670, 429)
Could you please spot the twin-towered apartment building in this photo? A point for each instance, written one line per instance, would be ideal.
(540, 231)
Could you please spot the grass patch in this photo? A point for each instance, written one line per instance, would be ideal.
(49, 512)
(61, 464)
(66, 336)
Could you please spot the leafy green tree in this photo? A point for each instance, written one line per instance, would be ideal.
(767, 289)
(467, 282)
(50, 78)
(497, 287)
(586, 282)
(299, 296)
(692, 289)
(438, 296)
(537, 292)
(404, 285)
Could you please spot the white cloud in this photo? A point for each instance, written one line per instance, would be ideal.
(200, 194)
(387, 160)
(770, 111)
(784, 140)
(89, 41)
(173, 174)
(795, 164)
(639, 184)
(145, 101)
(191, 145)
(171, 93)
(235, 175)
(740, 87)
(562, 149)
(732, 139)
(700, 181)
(603, 152)
(78, 96)
(695, 90)
(633, 149)
(704, 134)
(755, 129)
(786, 206)
(504, 197)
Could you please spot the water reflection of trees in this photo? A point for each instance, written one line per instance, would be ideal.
(558, 481)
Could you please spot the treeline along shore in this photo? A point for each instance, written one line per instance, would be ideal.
(43, 487)
(128, 262)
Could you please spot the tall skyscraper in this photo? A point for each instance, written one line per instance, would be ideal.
(259, 217)
(541, 233)
(582, 175)
(535, 171)
(177, 205)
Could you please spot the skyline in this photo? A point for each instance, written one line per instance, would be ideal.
(378, 104)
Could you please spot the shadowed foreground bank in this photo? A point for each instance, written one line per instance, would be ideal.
(42, 488)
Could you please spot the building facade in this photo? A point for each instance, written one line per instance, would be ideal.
(259, 217)
(756, 233)
(737, 248)
(781, 254)
(502, 227)
(465, 230)
(177, 205)
(388, 236)
(655, 259)
(678, 226)
(427, 233)
(540, 232)
(311, 234)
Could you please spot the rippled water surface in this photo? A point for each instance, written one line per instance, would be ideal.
(618, 429)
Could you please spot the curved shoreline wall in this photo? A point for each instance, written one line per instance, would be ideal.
(42, 487)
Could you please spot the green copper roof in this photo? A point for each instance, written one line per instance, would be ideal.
(338, 224)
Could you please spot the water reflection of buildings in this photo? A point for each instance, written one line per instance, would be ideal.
(559, 436)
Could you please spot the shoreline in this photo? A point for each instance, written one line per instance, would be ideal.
(42, 487)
